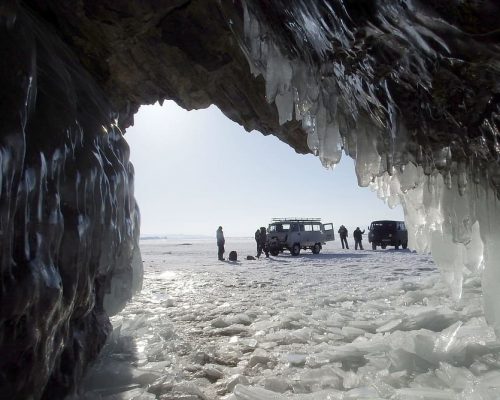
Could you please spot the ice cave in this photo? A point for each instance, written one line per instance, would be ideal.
(409, 89)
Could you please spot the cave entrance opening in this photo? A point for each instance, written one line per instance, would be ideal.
(200, 327)
(197, 170)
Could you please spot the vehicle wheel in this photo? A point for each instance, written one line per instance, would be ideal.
(374, 246)
(316, 248)
(404, 245)
(383, 246)
(295, 250)
(274, 252)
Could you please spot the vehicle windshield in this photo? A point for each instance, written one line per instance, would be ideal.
(279, 228)
(386, 226)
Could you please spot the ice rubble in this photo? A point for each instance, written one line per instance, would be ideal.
(366, 331)
(449, 207)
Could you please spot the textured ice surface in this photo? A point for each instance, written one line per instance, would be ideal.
(338, 325)
(325, 73)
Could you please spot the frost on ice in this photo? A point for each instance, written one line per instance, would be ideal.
(450, 205)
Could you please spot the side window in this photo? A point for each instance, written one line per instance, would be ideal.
(308, 228)
(316, 227)
(328, 227)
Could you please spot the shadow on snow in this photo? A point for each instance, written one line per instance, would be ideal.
(325, 256)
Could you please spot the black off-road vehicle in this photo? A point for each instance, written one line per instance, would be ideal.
(388, 233)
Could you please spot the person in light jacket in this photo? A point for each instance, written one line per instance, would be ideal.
(220, 243)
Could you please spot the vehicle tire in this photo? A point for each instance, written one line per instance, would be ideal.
(374, 246)
(383, 246)
(316, 248)
(295, 250)
(404, 245)
(274, 252)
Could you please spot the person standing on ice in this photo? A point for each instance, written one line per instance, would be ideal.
(257, 239)
(261, 242)
(220, 243)
(343, 233)
(358, 237)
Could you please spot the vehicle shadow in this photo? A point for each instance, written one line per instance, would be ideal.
(393, 250)
(283, 259)
(326, 256)
(237, 262)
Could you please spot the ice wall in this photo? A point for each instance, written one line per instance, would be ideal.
(396, 87)
(69, 223)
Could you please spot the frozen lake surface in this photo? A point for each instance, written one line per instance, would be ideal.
(343, 324)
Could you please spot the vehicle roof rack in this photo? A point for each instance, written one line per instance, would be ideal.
(296, 219)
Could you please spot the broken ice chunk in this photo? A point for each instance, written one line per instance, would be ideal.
(259, 357)
(296, 360)
(391, 325)
(234, 380)
(276, 384)
(424, 394)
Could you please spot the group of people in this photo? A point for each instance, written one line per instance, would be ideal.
(358, 237)
(261, 236)
(261, 240)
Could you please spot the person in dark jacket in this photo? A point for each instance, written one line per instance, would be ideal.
(257, 239)
(262, 242)
(220, 243)
(343, 233)
(358, 237)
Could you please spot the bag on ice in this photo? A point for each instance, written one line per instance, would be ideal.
(233, 256)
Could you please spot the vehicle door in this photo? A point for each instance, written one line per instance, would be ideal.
(402, 232)
(294, 235)
(389, 233)
(328, 232)
(316, 234)
(307, 234)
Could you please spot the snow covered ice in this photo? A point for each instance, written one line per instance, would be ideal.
(343, 324)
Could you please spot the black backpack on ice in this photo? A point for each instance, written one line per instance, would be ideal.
(233, 256)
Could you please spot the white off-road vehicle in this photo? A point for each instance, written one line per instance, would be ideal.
(294, 234)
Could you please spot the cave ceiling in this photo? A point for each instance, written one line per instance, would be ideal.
(437, 63)
(149, 51)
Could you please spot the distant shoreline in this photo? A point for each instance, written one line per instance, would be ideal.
(152, 237)
(188, 237)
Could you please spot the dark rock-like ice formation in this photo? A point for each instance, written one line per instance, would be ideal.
(68, 220)
(410, 89)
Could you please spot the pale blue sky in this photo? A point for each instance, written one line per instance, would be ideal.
(197, 170)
